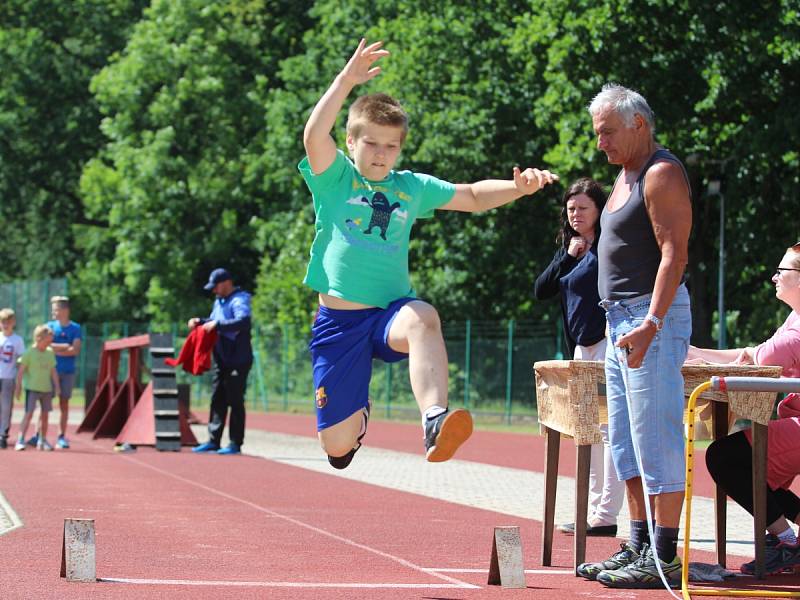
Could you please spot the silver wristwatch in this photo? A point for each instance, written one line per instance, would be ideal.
(659, 323)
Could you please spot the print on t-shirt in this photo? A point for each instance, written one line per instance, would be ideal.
(380, 217)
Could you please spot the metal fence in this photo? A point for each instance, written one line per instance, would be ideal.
(31, 302)
(490, 362)
(490, 368)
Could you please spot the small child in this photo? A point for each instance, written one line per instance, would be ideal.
(359, 263)
(11, 348)
(37, 374)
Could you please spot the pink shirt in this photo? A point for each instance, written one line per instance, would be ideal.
(783, 452)
(783, 348)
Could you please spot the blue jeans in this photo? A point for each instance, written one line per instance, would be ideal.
(645, 405)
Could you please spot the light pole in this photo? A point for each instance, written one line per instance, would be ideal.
(714, 189)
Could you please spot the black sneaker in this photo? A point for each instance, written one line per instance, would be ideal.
(591, 530)
(643, 573)
(625, 556)
(445, 433)
(3, 442)
(779, 557)
(342, 462)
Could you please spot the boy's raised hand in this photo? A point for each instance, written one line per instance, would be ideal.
(359, 68)
(532, 180)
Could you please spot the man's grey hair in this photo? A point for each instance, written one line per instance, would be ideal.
(625, 102)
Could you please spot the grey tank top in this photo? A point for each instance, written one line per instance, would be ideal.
(627, 252)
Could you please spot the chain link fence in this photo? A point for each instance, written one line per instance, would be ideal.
(490, 362)
(31, 302)
(490, 369)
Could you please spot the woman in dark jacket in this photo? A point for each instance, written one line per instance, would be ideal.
(572, 276)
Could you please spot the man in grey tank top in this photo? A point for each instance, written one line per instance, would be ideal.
(642, 255)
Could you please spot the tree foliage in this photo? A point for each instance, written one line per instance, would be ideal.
(49, 124)
(203, 103)
(182, 176)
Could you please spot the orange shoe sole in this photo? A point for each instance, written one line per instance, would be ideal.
(456, 429)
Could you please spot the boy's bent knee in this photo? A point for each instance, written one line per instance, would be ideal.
(339, 439)
(421, 316)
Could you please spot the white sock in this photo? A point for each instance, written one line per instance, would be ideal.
(364, 418)
(788, 537)
(432, 412)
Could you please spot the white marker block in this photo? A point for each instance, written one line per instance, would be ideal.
(78, 550)
(506, 567)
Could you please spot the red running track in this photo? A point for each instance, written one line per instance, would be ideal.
(177, 525)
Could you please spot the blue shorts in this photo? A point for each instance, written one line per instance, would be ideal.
(645, 405)
(343, 344)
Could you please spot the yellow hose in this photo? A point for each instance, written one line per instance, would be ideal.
(687, 593)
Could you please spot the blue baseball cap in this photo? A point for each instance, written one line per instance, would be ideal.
(217, 276)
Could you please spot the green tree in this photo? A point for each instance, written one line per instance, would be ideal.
(49, 51)
(722, 80)
(471, 119)
(182, 175)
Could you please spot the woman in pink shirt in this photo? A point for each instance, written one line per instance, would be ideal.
(729, 459)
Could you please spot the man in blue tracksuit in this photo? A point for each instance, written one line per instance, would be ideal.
(233, 357)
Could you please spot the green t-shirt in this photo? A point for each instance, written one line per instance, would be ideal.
(38, 369)
(360, 250)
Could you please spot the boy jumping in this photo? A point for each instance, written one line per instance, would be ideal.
(359, 263)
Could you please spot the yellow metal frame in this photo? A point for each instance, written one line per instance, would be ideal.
(687, 593)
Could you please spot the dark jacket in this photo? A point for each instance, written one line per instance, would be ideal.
(575, 282)
(232, 314)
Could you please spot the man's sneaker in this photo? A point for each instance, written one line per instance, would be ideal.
(444, 433)
(62, 442)
(33, 441)
(43, 444)
(20, 445)
(3, 442)
(342, 462)
(207, 447)
(643, 573)
(230, 449)
(624, 556)
(779, 557)
(771, 542)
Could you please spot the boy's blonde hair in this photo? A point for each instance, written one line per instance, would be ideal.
(41, 332)
(62, 301)
(6, 314)
(380, 109)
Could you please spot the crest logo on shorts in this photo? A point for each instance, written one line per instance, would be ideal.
(322, 398)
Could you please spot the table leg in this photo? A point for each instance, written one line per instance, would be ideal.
(760, 436)
(551, 445)
(584, 458)
(719, 421)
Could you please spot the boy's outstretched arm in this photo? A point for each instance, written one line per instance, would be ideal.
(491, 193)
(317, 139)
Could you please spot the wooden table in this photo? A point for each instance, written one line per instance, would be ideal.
(571, 400)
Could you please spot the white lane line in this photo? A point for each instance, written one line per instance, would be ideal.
(286, 584)
(272, 513)
(9, 519)
(529, 571)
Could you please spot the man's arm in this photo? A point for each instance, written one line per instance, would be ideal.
(65, 349)
(240, 307)
(320, 145)
(670, 208)
(491, 193)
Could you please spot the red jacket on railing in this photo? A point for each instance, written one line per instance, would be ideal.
(195, 355)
